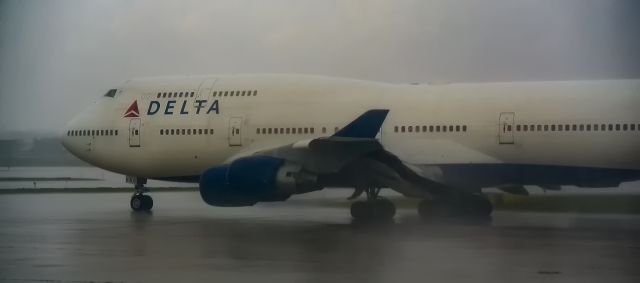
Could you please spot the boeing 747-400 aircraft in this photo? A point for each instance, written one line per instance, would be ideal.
(257, 138)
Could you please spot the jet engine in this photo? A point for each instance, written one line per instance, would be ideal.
(249, 180)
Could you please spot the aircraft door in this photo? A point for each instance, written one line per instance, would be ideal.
(134, 132)
(506, 128)
(235, 131)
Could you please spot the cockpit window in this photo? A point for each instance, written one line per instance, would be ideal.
(110, 93)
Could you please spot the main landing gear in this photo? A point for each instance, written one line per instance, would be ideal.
(140, 201)
(374, 208)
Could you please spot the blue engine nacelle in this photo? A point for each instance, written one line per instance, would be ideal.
(249, 180)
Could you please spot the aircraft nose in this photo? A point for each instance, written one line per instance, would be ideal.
(64, 137)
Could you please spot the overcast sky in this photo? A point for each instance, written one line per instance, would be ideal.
(57, 56)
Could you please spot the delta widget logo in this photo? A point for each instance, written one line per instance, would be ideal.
(132, 111)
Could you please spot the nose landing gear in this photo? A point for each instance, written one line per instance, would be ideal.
(140, 201)
(374, 208)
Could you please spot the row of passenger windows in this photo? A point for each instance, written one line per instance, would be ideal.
(430, 128)
(576, 127)
(235, 93)
(215, 93)
(175, 94)
(83, 133)
(291, 131)
(185, 132)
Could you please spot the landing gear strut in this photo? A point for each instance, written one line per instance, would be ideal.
(459, 206)
(140, 201)
(374, 208)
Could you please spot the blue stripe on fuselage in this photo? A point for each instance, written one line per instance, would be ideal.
(490, 175)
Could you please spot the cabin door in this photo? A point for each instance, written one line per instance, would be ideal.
(235, 131)
(134, 132)
(506, 127)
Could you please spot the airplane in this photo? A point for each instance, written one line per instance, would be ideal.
(247, 139)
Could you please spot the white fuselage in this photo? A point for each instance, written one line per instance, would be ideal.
(593, 124)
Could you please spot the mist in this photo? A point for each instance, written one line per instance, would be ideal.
(57, 56)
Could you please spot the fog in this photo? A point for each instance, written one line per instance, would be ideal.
(57, 56)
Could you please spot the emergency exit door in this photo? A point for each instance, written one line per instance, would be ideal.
(134, 132)
(506, 127)
(235, 131)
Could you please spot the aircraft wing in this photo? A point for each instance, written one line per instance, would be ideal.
(352, 156)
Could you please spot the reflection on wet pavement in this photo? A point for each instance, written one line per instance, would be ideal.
(94, 237)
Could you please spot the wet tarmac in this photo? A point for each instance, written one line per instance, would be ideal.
(93, 237)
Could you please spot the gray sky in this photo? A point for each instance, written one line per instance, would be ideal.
(57, 56)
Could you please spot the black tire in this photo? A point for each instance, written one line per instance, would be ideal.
(384, 209)
(147, 203)
(479, 205)
(361, 210)
(136, 203)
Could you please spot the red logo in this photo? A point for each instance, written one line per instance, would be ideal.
(132, 111)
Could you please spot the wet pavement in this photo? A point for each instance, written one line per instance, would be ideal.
(93, 237)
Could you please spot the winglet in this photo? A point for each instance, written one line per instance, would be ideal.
(366, 126)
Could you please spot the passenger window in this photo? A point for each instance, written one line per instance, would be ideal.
(458, 128)
(269, 131)
(410, 129)
(617, 127)
(518, 128)
(595, 127)
(180, 94)
(258, 131)
(589, 127)
(211, 131)
(546, 128)
(161, 132)
(417, 129)
(288, 130)
(450, 128)
(255, 92)
(539, 128)
(158, 95)
(402, 129)
(581, 127)
(293, 130)
(437, 128)
(306, 130)
(525, 128)
(633, 127)
(324, 130)
(444, 128)
(624, 127)
(312, 130)
(215, 93)
(336, 129)
(431, 128)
